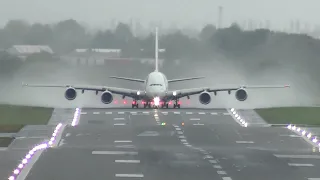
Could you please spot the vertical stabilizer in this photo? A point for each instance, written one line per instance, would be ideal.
(156, 51)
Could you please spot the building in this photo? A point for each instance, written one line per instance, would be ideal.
(91, 56)
(23, 51)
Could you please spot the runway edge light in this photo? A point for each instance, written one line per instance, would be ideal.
(45, 145)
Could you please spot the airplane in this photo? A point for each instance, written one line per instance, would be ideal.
(156, 92)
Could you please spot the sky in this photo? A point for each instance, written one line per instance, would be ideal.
(97, 13)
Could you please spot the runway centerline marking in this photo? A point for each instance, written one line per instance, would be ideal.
(201, 113)
(123, 141)
(108, 112)
(118, 119)
(217, 166)
(119, 124)
(189, 112)
(114, 153)
(194, 119)
(96, 112)
(127, 161)
(120, 112)
(226, 178)
(244, 142)
(176, 112)
(182, 137)
(221, 172)
(198, 124)
(130, 175)
(226, 114)
(213, 161)
(300, 165)
(214, 113)
(83, 113)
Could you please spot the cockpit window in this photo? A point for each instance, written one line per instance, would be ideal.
(155, 84)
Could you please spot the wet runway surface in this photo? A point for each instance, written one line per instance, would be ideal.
(174, 144)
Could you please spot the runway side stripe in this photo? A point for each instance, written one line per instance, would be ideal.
(130, 175)
(114, 152)
(297, 156)
(302, 165)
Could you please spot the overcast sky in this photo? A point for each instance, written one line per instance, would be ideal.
(185, 12)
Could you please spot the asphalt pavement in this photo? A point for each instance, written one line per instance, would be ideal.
(174, 144)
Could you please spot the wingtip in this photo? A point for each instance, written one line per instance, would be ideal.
(287, 85)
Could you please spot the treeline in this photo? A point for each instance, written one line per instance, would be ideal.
(259, 48)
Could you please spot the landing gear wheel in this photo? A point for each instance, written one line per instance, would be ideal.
(167, 105)
(176, 106)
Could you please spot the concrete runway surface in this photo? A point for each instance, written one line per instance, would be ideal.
(132, 144)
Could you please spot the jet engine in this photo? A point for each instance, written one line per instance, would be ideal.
(241, 94)
(106, 97)
(70, 93)
(205, 98)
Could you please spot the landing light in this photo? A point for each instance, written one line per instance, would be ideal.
(163, 124)
(156, 101)
(174, 93)
(138, 93)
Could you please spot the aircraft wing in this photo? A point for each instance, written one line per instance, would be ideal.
(192, 91)
(128, 79)
(114, 90)
(184, 79)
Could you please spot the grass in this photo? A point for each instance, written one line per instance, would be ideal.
(5, 141)
(13, 118)
(291, 115)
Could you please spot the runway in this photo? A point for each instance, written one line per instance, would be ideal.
(174, 144)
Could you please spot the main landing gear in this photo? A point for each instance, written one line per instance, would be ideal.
(135, 104)
(176, 104)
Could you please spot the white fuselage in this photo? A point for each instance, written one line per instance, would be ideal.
(156, 85)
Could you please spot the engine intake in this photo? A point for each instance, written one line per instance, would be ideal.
(205, 98)
(106, 97)
(241, 94)
(70, 93)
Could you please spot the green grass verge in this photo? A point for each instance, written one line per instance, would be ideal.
(13, 118)
(5, 141)
(291, 115)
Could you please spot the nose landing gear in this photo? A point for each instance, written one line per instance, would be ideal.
(135, 104)
(176, 104)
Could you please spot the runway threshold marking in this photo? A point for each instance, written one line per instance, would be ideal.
(297, 156)
(130, 175)
(127, 161)
(300, 165)
(114, 153)
(123, 141)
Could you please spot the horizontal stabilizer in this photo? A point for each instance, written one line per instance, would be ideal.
(128, 79)
(184, 79)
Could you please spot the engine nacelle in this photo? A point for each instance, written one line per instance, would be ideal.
(106, 97)
(70, 93)
(241, 94)
(205, 98)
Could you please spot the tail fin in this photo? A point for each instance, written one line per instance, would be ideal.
(156, 51)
